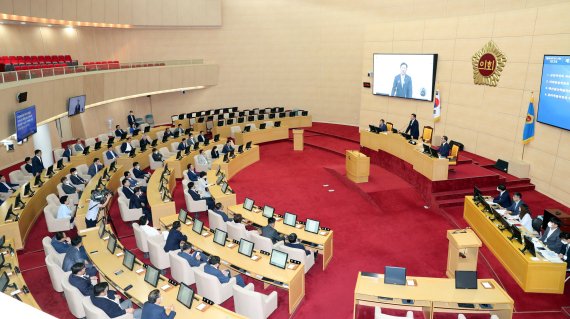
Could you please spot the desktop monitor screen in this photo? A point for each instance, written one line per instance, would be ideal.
(102, 230)
(151, 276)
(248, 204)
(278, 259)
(290, 219)
(2, 240)
(224, 187)
(185, 295)
(129, 260)
(394, 275)
(112, 244)
(220, 237)
(220, 179)
(268, 211)
(2, 260)
(245, 247)
(218, 170)
(76, 105)
(516, 233)
(197, 227)
(465, 279)
(312, 226)
(182, 214)
(4, 280)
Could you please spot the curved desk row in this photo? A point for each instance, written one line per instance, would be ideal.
(435, 169)
(235, 165)
(159, 205)
(16, 278)
(259, 136)
(109, 264)
(177, 166)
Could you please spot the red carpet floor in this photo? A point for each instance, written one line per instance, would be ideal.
(376, 224)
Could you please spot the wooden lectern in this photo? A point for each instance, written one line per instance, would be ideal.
(357, 166)
(298, 140)
(463, 251)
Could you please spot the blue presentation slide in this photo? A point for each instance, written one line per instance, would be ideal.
(25, 122)
(554, 103)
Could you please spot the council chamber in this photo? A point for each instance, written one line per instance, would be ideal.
(285, 159)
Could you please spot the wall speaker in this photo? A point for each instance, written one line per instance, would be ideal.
(22, 97)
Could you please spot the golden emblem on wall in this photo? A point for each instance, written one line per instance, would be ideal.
(488, 63)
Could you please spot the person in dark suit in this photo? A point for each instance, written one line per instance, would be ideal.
(62, 243)
(182, 145)
(138, 172)
(127, 190)
(156, 156)
(202, 138)
(68, 187)
(111, 307)
(190, 140)
(78, 146)
(292, 242)
(515, 208)
(37, 163)
(74, 255)
(110, 154)
(132, 119)
(152, 309)
(126, 146)
(137, 201)
(6, 187)
(75, 178)
(504, 198)
(195, 258)
(413, 127)
(564, 252)
(95, 167)
(28, 165)
(551, 235)
(144, 141)
(227, 147)
(119, 131)
(195, 196)
(178, 130)
(82, 282)
(214, 153)
(382, 126)
(444, 148)
(213, 268)
(270, 232)
(67, 153)
(132, 129)
(402, 86)
(218, 209)
(167, 133)
(175, 237)
(133, 182)
(191, 174)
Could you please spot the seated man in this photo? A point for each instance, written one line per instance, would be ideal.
(69, 188)
(82, 282)
(195, 258)
(78, 146)
(139, 173)
(551, 235)
(179, 130)
(213, 268)
(144, 225)
(191, 173)
(237, 221)
(190, 140)
(382, 126)
(74, 256)
(564, 251)
(137, 201)
(175, 237)
(218, 209)
(152, 309)
(201, 137)
(132, 129)
(156, 156)
(196, 196)
(110, 153)
(444, 148)
(95, 167)
(167, 133)
(5, 187)
(133, 182)
(127, 189)
(270, 232)
(503, 199)
(144, 141)
(61, 244)
(118, 131)
(126, 146)
(28, 166)
(515, 207)
(202, 185)
(111, 307)
(182, 145)
(292, 242)
(227, 147)
(64, 211)
(75, 178)
(202, 160)
(67, 153)
(214, 152)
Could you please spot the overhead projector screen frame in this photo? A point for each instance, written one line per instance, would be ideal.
(388, 77)
(542, 99)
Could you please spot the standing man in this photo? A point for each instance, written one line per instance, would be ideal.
(37, 163)
(413, 127)
(402, 86)
(132, 119)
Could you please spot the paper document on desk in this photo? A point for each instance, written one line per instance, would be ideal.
(501, 211)
(550, 256)
(490, 202)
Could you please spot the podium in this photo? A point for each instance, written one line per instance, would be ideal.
(463, 251)
(298, 140)
(357, 166)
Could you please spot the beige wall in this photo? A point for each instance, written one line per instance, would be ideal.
(131, 12)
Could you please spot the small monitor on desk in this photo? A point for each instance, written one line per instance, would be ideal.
(147, 129)
(60, 164)
(86, 150)
(4, 280)
(220, 237)
(182, 215)
(426, 149)
(406, 135)
(290, 219)
(129, 260)
(433, 152)
(112, 244)
(217, 138)
(224, 187)
(277, 124)
(241, 119)
(278, 259)
(312, 226)
(516, 233)
(185, 295)
(394, 275)
(2, 261)
(529, 246)
(98, 145)
(152, 275)
(465, 279)
(248, 204)
(49, 171)
(220, 179)
(102, 230)
(268, 211)
(197, 227)
(248, 145)
(246, 247)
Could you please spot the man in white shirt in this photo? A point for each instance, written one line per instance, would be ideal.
(93, 210)
(64, 211)
(202, 160)
(149, 230)
(202, 185)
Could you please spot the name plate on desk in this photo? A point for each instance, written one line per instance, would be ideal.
(140, 271)
(202, 307)
(166, 287)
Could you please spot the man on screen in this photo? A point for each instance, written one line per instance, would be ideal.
(77, 108)
(402, 86)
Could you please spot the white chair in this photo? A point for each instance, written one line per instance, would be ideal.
(165, 153)
(236, 231)
(118, 150)
(158, 257)
(141, 239)
(93, 312)
(107, 161)
(74, 297)
(48, 247)
(58, 153)
(135, 143)
(55, 224)
(253, 304)
(181, 270)
(128, 214)
(90, 142)
(200, 167)
(103, 138)
(252, 127)
(80, 187)
(56, 273)
(379, 315)
(73, 198)
(160, 135)
(298, 254)
(17, 177)
(210, 287)
(261, 243)
(195, 206)
(174, 147)
(216, 221)
(52, 199)
(140, 181)
(82, 171)
(154, 164)
(234, 130)
(23, 170)
(269, 124)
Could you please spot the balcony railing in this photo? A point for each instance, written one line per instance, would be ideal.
(22, 75)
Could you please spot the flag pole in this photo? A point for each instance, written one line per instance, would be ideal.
(524, 144)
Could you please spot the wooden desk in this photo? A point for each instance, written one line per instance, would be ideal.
(324, 243)
(17, 279)
(537, 275)
(262, 136)
(290, 122)
(298, 140)
(432, 295)
(158, 207)
(435, 169)
(227, 199)
(178, 166)
(142, 157)
(108, 264)
(293, 280)
(34, 207)
(197, 127)
(238, 163)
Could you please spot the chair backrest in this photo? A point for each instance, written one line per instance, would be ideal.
(165, 152)
(174, 146)
(248, 303)
(90, 141)
(207, 285)
(92, 311)
(52, 199)
(427, 134)
(103, 137)
(82, 169)
(56, 273)
(48, 248)
(160, 135)
(74, 297)
(140, 238)
(216, 221)
(236, 232)
(269, 124)
(17, 177)
(454, 151)
(180, 270)
(158, 257)
(51, 211)
(60, 190)
(379, 315)
(389, 126)
(261, 243)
